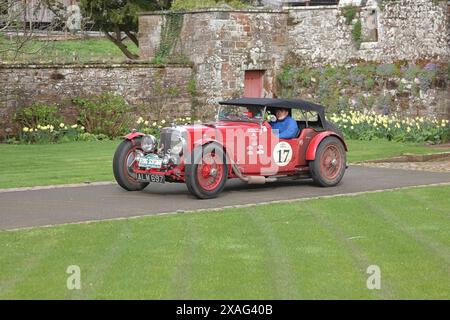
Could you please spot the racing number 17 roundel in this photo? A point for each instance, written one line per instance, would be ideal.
(282, 154)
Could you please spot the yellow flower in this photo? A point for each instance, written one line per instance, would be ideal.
(61, 125)
(82, 128)
(163, 121)
(154, 124)
(146, 123)
(26, 129)
(188, 118)
(74, 126)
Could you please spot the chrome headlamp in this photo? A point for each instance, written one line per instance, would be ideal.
(149, 143)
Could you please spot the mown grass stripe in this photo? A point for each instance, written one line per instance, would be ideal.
(278, 259)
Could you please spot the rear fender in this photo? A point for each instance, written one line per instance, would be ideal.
(315, 142)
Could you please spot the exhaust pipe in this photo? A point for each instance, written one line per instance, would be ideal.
(251, 179)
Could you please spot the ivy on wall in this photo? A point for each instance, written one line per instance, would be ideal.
(366, 85)
(350, 13)
(170, 38)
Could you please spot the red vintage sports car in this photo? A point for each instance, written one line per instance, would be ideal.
(239, 144)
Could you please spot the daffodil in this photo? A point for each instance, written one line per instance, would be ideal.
(61, 125)
(26, 129)
(146, 122)
(74, 126)
(163, 121)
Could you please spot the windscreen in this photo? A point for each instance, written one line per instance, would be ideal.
(240, 113)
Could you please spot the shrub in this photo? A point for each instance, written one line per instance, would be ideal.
(37, 114)
(106, 114)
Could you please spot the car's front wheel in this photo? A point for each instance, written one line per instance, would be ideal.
(122, 165)
(328, 169)
(207, 174)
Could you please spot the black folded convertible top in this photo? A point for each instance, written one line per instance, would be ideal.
(277, 103)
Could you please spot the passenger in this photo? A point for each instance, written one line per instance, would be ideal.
(285, 127)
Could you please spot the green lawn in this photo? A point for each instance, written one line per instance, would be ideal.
(381, 149)
(89, 50)
(314, 249)
(40, 165)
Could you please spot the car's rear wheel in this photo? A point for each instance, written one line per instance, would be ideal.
(328, 169)
(207, 174)
(122, 165)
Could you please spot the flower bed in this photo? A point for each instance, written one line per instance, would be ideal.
(370, 125)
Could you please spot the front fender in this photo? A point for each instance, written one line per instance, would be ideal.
(134, 135)
(202, 142)
(314, 144)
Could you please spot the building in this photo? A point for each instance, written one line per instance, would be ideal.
(240, 52)
(35, 11)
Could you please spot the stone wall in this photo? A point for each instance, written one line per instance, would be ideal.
(161, 89)
(407, 30)
(222, 45)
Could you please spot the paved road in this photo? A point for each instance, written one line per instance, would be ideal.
(78, 204)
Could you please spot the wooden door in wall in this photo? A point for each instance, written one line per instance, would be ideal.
(253, 84)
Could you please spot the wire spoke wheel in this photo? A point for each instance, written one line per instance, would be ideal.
(208, 173)
(331, 162)
(123, 165)
(328, 169)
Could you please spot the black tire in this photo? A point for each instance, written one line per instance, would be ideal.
(124, 177)
(191, 172)
(323, 171)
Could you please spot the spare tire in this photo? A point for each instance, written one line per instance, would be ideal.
(330, 126)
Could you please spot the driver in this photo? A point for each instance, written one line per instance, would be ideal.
(285, 127)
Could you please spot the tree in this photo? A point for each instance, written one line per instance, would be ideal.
(21, 20)
(118, 19)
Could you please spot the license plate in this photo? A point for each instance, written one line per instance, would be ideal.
(150, 161)
(153, 178)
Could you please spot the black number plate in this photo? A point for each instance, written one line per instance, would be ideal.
(153, 178)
